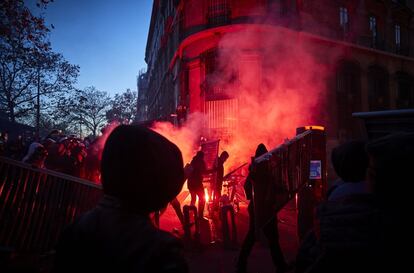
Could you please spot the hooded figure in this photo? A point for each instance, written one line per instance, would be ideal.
(141, 172)
(262, 216)
(264, 190)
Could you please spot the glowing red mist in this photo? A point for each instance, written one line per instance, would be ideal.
(280, 86)
(186, 137)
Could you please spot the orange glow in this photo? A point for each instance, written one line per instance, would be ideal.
(296, 201)
(315, 127)
(206, 196)
(186, 138)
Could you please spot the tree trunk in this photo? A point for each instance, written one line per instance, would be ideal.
(38, 107)
(12, 116)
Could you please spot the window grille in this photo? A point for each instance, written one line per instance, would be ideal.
(221, 117)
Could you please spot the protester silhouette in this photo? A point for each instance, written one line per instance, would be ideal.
(350, 162)
(219, 169)
(141, 172)
(195, 182)
(262, 216)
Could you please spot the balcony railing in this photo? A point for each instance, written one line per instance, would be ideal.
(369, 41)
(403, 50)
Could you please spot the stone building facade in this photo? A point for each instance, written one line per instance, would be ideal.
(373, 70)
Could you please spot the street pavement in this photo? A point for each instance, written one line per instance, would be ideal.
(213, 257)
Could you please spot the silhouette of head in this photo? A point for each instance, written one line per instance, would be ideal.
(142, 168)
(350, 161)
(200, 155)
(261, 150)
(224, 155)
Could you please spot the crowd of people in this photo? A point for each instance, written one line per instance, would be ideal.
(58, 152)
(362, 226)
(14, 147)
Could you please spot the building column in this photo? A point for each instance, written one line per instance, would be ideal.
(194, 81)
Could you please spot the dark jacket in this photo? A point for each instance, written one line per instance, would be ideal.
(349, 224)
(248, 188)
(195, 180)
(349, 237)
(111, 239)
(264, 193)
(219, 168)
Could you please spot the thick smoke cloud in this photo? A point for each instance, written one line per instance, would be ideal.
(281, 86)
(186, 137)
(279, 81)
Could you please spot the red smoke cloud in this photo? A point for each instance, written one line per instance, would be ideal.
(281, 86)
(278, 81)
(186, 137)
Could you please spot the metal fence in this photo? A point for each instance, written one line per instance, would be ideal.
(36, 204)
(298, 163)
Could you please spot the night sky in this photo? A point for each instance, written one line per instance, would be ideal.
(106, 38)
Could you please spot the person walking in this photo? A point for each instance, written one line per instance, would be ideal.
(262, 216)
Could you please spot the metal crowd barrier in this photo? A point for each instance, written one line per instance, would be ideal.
(36, 204)
(297, 163)
(298, 168)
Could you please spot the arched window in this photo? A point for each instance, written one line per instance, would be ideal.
(348, 96)
(405, 91)
(378, 89)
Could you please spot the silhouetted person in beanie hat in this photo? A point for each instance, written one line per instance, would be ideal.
(141, 172)
(350, 161)
(142, 168)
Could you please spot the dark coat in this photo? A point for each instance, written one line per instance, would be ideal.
(219, 167)
(264, 193)
(350, 236)
(110, 239)
(195, 179)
